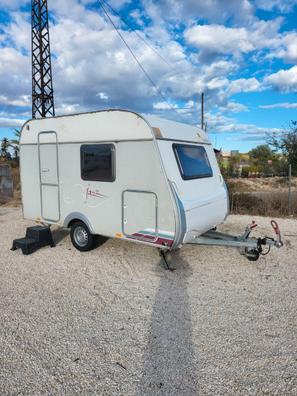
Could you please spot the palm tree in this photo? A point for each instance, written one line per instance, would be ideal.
(17, 134)
(4, 148)
(14, 143)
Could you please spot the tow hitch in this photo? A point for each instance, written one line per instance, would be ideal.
(248, 246)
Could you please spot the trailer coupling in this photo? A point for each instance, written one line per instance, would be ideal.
(248, 246)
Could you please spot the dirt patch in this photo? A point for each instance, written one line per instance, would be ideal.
(261, 184)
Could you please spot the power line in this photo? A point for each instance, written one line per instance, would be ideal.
(137, 34)
(136, 59)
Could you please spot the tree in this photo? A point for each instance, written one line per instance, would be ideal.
(261, 153)
(4, 148)
(245, 171)
(287, 144)
(234, 162)
(14, 143)
(15, 152)
(260, 157)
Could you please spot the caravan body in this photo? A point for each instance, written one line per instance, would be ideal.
(123, 175)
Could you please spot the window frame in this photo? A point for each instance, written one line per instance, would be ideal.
(113, 162)
(181, 171)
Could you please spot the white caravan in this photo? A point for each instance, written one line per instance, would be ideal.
(119, 174)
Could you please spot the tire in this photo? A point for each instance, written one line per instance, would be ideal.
(81, 237)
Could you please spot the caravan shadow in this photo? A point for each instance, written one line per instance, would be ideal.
(169, 359)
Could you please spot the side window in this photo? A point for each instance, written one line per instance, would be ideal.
(97, 162)
(192, 161)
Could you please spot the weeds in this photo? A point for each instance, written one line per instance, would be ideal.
(263, 204)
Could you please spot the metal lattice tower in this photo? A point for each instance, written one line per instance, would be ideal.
(42, 85)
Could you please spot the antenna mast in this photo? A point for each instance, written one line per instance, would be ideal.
(202, 111)
(42, 84)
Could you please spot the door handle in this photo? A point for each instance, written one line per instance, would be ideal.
(45, 170)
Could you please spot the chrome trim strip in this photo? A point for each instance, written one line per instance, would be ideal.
(181, 223)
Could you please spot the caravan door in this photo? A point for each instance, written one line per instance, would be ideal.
(140, 215)
(49, 176)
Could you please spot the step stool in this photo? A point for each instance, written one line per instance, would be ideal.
(36, 237)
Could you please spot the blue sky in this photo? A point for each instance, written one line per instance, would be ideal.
(241, 53)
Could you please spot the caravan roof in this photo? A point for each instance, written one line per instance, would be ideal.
(114, 125)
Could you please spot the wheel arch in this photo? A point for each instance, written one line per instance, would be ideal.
(76, 216)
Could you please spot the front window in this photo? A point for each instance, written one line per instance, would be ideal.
(97, 162)
(192, 161)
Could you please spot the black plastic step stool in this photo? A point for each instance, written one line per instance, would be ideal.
(36, 237)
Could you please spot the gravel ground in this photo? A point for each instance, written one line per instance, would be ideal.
(114, 322)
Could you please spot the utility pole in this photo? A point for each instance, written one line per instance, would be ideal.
(42, 84)
(202, 110)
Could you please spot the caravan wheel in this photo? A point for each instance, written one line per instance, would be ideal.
(81, 237)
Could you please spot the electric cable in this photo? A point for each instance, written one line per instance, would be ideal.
(137, 60)
(137, 34)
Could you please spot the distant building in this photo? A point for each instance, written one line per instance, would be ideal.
(235, 160)
(225, 158)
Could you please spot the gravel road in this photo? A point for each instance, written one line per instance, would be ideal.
(114, 322)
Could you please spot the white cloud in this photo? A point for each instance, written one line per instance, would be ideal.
(68, 108)
(219, 39)
(212, 10)
(137, 16)
(190, 104)
(10, 122)
(222, 40)
(19, 30)
(281, 5)
(164, 106)
(283, 80)
(235, 107)
(244, 85)
(102, 96)
(119, 3)
(92, 69)
(12, 4)
(217, 83)
(219, 68)
(90, 59)
(280, 106)
(72, 9)
(15, 70)
(288, 48)
(218, 123)
(188, 107)
(22, 101)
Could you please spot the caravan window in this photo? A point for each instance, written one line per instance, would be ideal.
(97, 162)
(192, 161)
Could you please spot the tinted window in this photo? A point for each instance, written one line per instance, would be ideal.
(97, 162)
(192, 161)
